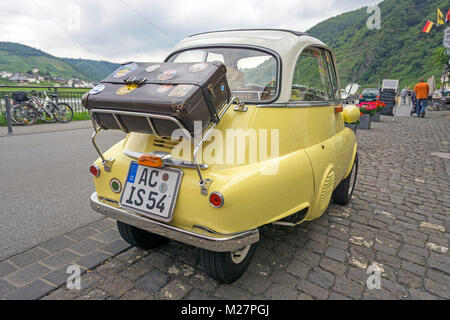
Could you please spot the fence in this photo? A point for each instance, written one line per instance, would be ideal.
(71, 96)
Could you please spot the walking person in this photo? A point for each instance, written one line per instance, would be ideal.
(421, 89)
(404, 94)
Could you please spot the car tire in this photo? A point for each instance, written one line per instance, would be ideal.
(227, 267)
(343, 193)
(140, 238)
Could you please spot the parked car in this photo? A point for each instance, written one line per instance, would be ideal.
(348, 95)
(282, 82)
(369, 95)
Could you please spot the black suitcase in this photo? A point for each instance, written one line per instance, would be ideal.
(189, 92)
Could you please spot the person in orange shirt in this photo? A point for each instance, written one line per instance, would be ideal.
(421, 89)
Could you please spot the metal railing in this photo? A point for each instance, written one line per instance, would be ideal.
(71, 96)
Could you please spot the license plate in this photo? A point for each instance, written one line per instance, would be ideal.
(151, 191)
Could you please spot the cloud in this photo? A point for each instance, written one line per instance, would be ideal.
(121, 30)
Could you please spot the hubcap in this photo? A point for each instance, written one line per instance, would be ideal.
(239, 256)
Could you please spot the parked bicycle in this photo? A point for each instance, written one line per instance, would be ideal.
(46, 109)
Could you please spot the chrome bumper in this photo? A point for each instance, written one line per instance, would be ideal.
(207, 240)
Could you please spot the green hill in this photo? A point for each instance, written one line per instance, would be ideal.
(16, 57)
(399, 50)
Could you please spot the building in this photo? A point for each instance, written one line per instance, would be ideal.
(6, 74)
(77, 83)
(19, 78)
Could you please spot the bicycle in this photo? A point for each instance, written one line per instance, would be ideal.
(27, 113)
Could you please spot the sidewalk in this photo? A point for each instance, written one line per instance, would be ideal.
(46, 127)
(399, 219)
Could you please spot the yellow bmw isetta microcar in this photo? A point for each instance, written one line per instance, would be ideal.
(279, 154)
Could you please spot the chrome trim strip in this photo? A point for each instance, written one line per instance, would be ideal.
(168, 160)
(217, 243)
(309, 104)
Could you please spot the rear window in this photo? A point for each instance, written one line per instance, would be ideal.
(252, 74)
(370, 91)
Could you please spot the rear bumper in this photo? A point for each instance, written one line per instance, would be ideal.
(205, 240)
(367, 99)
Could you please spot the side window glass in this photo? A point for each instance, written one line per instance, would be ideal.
(215, 57)
(311, 82)
(333, 75)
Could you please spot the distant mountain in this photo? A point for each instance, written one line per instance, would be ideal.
(399, 50)
(16, 57)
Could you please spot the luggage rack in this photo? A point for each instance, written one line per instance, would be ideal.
(107, 163)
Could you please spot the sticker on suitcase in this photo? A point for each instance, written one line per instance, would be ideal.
(97, 89)
(198, 67)
(126, 89)
(180, 90)
(152, 68)
(164, 88)
(125, 70)
(167, 75)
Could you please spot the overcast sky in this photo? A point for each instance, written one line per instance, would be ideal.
(146, 30)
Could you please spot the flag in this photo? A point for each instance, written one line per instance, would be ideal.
(428, 26)
(440, 17)
(447, 18)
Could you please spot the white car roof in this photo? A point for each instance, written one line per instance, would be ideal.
(286, 43)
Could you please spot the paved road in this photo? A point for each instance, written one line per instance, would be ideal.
(45, 185)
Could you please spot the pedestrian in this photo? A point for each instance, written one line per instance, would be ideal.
(403, 94)
(421, 89)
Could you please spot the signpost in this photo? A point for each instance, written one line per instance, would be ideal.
(390, 84)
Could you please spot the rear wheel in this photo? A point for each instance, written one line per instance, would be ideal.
(140, 238)
(343, 193)
(227, 267)
(63, 113)
(24, 114)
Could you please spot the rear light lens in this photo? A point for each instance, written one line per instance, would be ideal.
(378, 97)
(338, 109)
(115, 185)
(94, 170)
(361, 96)
(151, 161)
(216, 199)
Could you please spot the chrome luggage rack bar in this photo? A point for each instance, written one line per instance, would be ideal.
(107, 163)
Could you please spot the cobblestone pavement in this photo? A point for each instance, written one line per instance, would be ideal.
(399, 218)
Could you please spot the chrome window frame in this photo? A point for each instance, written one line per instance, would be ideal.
(298, 103)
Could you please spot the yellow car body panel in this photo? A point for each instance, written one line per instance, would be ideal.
(313, 143)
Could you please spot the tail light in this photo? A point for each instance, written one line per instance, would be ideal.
(216, 199)
(361, 96)
(378, 97)
(94, 170)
